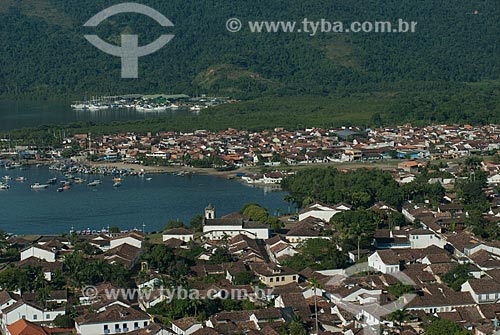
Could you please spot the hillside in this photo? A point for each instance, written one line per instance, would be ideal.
(45, 55)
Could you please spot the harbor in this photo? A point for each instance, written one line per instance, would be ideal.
(150, 103)
(153, 199)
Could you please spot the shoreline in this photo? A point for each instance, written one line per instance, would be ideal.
(170, 169)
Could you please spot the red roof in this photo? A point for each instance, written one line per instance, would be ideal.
(23, 327)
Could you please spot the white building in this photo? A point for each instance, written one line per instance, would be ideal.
(134, 239)
(422, 238)
(385, 261)
(218, 229)
(483, 291)
(115, 319)
(40, 252)
(186, 326)
(182, 234)
(494, 180)
(322, 211)
(30, 312)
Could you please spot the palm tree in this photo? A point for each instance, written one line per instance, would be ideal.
(42, 295)
(314, 284)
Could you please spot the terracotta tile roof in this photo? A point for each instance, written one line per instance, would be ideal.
(113, 313)
(23, 327)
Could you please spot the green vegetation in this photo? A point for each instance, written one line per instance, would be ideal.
(260, 214)
(444, 72)
(199, 308)
(174, 224)
(318, 254)
(244, 278)
(80, 270)
(356, 227)
(456, 277)
(362, 188)
(399, 289)
(164, 259)
(448, 46)
(444, 327)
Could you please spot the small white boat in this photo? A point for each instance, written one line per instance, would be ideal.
(149, 179)
(94, 183)
(4, 186)
(117, 184)
(7, 178)
(38, 186)
(21, 179)
(52, 181)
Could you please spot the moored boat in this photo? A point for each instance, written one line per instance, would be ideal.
(94, 183)
(38, 186)
(52, 181)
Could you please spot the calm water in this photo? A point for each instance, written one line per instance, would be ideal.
(137, 201)
(20, 114)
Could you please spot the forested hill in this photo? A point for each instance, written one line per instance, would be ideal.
(44, 53)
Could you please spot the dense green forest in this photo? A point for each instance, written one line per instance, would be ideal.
(447, 71)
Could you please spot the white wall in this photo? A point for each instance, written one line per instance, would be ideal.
(98, 328)
(33, 251)
(424, 241)
(185, 238)
(128, 240)
(375, 262)
(30, 314)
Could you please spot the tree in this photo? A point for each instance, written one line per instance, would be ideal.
(297, 326)
(444, 327)
(64, 321)
(456, 277)
(358, 226)
(174, 224)
(319, 254)
(196, 223)
(244, 278)
(221, 255)
(114, 230)
(399, 316)
(314, 285)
